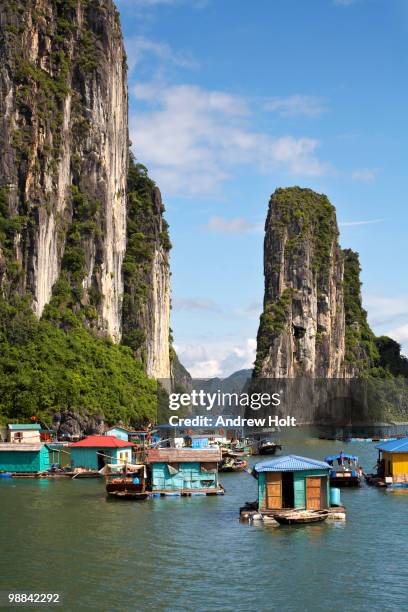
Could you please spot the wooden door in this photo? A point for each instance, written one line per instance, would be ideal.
(273, 490)
(313, 493)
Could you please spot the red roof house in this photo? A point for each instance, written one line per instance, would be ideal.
(94, 452)
(102, 442)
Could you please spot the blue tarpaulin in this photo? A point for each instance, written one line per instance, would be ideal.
(345, 456)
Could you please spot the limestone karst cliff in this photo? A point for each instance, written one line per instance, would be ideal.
(302, 326)
(313, 323)
(314, 343)
(71, 217)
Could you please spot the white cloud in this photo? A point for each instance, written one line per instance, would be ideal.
(292, 106)
(223, 361)
(400, 334)
(193, 138)
(353, 223)
(138, 47)
(365, 175)
(195, 304)
(238, 225)
(385, 310)
(388, 316)
(345, 2)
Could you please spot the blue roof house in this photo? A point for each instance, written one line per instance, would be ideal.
(293, 482)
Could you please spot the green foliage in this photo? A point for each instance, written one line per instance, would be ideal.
(391, 359)
(44, 369)
(165, 236)
(47, 86)
(361, 348)
(273, 321)
(9, 228)
(145, 229)
(312, 219)
(87, 58)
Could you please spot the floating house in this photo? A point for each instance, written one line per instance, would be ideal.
(393, 461)
(24, 458)
(292, 482)
(141, 438)
(199, 441)
(29, 433)
(186, 471)
(94, 452)
(119, 431)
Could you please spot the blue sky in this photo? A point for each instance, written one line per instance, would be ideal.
(230, 99)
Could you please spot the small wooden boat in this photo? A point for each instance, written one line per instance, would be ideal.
(300, 517)
(268, 447)
(231, 464)
(127, 484)
(128, 494)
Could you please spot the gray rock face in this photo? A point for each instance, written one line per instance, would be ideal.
(72, 424)
(64, 170)
(302, 328)
(314, 344)
(64, 156)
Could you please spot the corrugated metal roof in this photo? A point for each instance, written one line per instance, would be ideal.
(102, 442)
(184, 455)
(394, 446)
(345, 456)
(24, 427)
(291, 463)
(26, 447)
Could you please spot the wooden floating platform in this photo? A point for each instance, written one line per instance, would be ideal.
(187, 492)
(52, 475)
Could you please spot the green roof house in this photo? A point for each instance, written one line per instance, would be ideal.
(29, 433)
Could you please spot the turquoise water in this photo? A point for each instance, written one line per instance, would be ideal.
(193, 554)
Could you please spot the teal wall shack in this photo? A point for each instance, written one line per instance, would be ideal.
(299, 486)
(188, 476)
(82, 457)
(119, 433)
(24, 461)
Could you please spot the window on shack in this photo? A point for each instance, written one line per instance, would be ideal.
(173, 468)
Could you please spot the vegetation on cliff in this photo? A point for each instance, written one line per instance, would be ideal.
(147, 231)
(313, 310)
(312, 217)
(45, 369)
(63, 167)
(367, 354)
(272, 322)
(361, 348)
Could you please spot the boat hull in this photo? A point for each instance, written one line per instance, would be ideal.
(352, 481)
(269, 449)
(301, 518)
(233, 468)
(128, 495)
